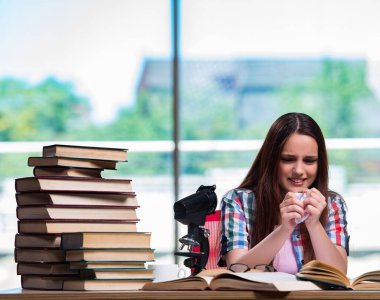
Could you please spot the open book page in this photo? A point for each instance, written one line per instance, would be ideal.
(191, 283)
(216, 272)
(267, 277)
(266, 281)
(367, 281)
(220, 279)
(326, 275)
(326, 281)
(329, 276)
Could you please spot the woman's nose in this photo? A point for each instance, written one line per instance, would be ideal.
(298, 168)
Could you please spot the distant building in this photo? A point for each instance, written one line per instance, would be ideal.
(251, 83)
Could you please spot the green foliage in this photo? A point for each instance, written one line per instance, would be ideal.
(332, 98)
(15, 165)
(149, 119)
(52, 110)
(207, 114)
(150, 163)
(200, 162)
(47, 110)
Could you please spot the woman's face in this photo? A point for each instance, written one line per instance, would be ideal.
(298, 164)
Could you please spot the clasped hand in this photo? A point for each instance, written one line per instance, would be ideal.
(292, 208)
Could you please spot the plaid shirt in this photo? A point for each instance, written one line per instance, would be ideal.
(238, 221)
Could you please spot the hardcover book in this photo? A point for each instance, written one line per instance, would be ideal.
(110, 255)
(116, 154)
(94, 265)
(86, 240)
(42, 282)
(71, 162)
(55, 226)
(67, 171)
(29, 184)
(39, 255)
(46, 269)
(72, 198)
(63, 212)
(77, 230)
(116, 274)
(38, 241)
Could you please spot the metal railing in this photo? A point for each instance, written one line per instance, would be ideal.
(185, 145)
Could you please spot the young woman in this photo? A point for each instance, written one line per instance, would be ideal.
(259, 217)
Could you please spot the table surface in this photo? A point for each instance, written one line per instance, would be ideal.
(184, 295)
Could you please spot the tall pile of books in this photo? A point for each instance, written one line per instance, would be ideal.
(77, 230)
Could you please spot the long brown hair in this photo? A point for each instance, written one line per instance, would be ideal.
(262, 176)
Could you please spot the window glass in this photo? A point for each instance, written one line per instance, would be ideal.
(245, 63)
(75, 71)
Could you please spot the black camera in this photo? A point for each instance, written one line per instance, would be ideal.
(192, 211)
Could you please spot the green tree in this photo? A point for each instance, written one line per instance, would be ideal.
(47, 110)
(332, 97)
(150, 118)
(207, 114)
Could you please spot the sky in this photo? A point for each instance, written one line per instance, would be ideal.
(100, 45)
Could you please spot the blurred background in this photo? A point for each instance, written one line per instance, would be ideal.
(100, 72)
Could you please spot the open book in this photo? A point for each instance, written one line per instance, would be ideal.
(221, 279)
(328, 276)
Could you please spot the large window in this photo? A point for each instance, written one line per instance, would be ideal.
(244, 63)
(73, 71)
(99, 72)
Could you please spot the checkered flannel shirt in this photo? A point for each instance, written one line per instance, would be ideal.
(238, 221)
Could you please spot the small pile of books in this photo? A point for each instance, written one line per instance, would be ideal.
(77, 230)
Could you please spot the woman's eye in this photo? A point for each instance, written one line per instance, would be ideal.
(287, 159)
(310, 161)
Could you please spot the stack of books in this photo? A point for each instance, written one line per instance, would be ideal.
(77, 230)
